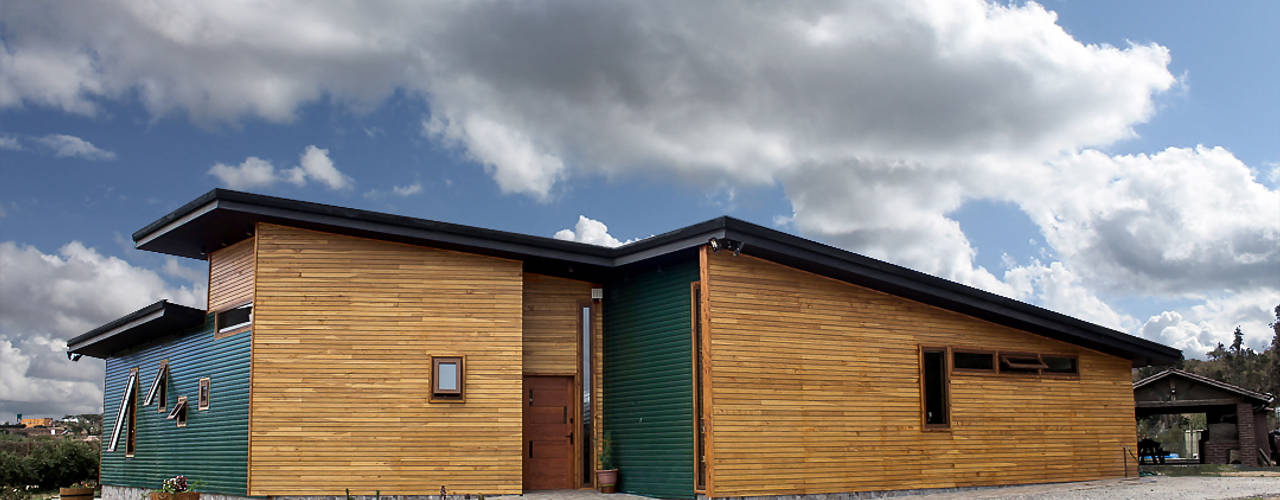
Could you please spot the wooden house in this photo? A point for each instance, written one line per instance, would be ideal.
(344, 349)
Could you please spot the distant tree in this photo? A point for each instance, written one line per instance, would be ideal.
(1238, 343)
(1274, 355)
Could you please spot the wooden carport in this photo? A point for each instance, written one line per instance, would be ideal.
(1236, 416)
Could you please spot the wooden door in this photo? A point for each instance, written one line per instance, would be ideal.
(548, 432)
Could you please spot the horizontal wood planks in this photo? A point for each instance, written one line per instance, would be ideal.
(231, 275)
(816, 389)
(344, 331)
(551, 323)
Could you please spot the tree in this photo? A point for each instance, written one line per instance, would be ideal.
(1238, 343)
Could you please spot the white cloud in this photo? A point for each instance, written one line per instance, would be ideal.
(70, 146)
(1200, 328)
(408, 190)
(46, 299)
(10, 143)
(255, 172)
(876, 119)
(315, 165)
(590, 231)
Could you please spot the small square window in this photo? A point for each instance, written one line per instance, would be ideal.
(179, 412)
(202, 401)
(447, 377)
(235, 318)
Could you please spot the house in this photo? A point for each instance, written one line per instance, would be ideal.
(1236, 417)
(347, 349)
(36, 422)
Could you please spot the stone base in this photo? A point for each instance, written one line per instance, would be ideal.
(126, 493)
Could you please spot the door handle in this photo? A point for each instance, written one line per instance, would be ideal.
(570, 436)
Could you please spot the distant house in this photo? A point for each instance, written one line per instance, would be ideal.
(37, 422)
(1236, 417)
(346, 349)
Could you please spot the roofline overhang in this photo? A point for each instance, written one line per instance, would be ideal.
(1258, 397)
(152, 321)
(170, 234)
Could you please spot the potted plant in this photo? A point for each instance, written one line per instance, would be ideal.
(82, 490)
(607, 474)
(175, 488)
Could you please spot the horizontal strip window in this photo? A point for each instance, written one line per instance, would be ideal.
(1013, 363)
(235, 318)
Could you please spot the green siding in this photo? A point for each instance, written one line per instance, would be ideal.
(648, 379)
(214, 446)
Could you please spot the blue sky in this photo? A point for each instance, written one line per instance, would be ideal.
(1115, 162)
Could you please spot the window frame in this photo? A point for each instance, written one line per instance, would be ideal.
(203, 395)
(179, 413)
(995, 361)
(448, 396)
(1071, 375)
(159, 389)
(131, 434)
(945, 373)
(220, 331)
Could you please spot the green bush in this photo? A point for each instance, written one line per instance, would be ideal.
(51, 464)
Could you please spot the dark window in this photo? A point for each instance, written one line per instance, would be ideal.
(983, 361)
(159, 389)
(700, 427)
(232, 319)
(179, 412)
(131, 443)
(1021, 363)
(588, 464)
(1062, 365)
(123, 426)
(447, 377)
(202, 399)
(934, 377)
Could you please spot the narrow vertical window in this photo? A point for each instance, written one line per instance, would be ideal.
(934, 390)
(447, 378)
(159, 388)
(588, 464)
(202, 399)
(179, 412)
(122, 415)
(131, 444)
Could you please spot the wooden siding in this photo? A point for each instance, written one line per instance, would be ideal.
(552, 310)
(213, 446)
(815, 388)
(344, 328)
(551, 326)
(231, 275)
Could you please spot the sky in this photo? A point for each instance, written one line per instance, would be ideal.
(1117, 162)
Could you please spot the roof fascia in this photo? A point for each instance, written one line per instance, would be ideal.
(146, 318)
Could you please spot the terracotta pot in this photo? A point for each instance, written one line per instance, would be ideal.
(607, 480)
(186, 495)
(75, 493)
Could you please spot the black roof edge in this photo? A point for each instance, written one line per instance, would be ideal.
(1265, 398)
(173, 315)
(776, 245)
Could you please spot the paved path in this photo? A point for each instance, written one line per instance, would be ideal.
(1160, 488)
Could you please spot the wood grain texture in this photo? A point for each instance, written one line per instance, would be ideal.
(551, 322)
(231, 275)
(343, 332)
(815, 389)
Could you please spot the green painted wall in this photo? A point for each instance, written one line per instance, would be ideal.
(648, 378)
(214, 446)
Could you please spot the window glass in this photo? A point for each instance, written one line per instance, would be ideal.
(1060, 364)
(1020, 363)
(448, 376)
(235, 318)
(973, 361)
(935, 388)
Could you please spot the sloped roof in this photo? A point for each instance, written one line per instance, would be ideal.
(155, 320)
(221, 217)
(1258, 397)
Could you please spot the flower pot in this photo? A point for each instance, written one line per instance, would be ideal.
(607, 480)
(186, 495)
(75, 493)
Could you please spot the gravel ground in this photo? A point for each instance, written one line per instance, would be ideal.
(1157, 487)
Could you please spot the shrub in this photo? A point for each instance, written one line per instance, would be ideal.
(51, 464)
